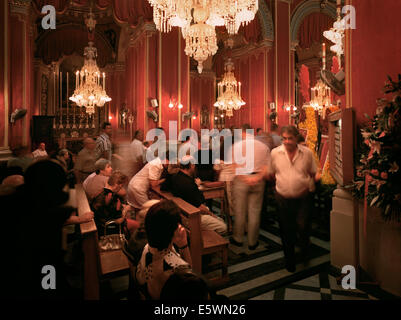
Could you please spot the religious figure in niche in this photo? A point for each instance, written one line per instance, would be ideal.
(204, 120)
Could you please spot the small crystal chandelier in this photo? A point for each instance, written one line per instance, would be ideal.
(198, 19)
(321, 97)
(229, 91)
(89, 88)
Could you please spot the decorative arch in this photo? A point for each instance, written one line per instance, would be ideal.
(69, 39)
(306, 8)
(266, 21)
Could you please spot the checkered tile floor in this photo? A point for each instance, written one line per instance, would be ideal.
(321, 286)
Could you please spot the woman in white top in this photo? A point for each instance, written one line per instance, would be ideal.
(159, 257)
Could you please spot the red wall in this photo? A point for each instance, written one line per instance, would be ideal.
(376, 52)
(16, 77)
(250, 71)
(202, 94)
(2, 96)
(142, 79)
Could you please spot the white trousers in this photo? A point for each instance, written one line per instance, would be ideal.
(248, 202)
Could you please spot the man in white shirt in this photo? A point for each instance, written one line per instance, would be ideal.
(248, 189)
(138, 151)
(40, 152)
(292, 166)
(149, 176)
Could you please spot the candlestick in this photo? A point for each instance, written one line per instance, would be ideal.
(61, 101)
(66, 100)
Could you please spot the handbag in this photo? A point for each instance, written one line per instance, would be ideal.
(112, 241)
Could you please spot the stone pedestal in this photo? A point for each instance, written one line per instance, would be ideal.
(378, 252)
(342, 230)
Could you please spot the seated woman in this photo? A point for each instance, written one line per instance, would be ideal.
(108, 205)
(139, 239)
(159, 257)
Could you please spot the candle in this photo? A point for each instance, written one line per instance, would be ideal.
(61, 92)
(54, 93)
(239, 89)
(104, 81)
(324, 56)
(66, 99)
(61, 101)
(76, 80)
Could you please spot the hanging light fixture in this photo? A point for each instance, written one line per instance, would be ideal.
(198, 19)
(321, 97)
(336, 34)
(90, 84)
(200, 38)
(229, 91)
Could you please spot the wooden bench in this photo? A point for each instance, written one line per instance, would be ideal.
(202, 242)
(97, 265)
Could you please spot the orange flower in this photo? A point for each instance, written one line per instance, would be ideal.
(384, 175)
(375, 172)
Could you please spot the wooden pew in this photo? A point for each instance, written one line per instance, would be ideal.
(202, 242)
(97, 264)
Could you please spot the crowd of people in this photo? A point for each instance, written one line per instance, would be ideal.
(118, 189)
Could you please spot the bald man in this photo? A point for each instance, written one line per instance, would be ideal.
(10, 183)
(85, 161)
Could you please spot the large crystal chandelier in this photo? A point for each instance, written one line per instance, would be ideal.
(200, 38)
(336, 34)
(198, 19)
(89, 85)
(229, 91)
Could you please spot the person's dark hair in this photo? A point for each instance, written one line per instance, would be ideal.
(290, 130)
(246, 126)
(105, 124)
(258, 130)
(117, 177)
(274, 127)
(185, 166)
(10, 171)
(185, 285)
(161, 222)
(300, 138)
(47, 179)
(186, 162)
(137, 132)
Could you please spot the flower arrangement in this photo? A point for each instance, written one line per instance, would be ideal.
(310, 125)
(378, 175)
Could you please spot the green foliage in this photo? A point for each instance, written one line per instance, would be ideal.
(379, 156)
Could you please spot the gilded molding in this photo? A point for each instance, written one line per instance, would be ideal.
(20, 7)
(144, 30)
(305, 8)
(266, 21)
(253, 48)
(206, 74)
